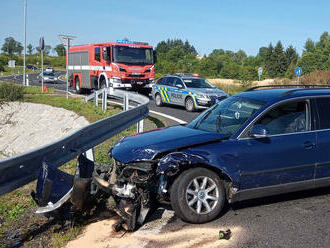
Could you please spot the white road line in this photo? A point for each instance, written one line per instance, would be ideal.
(156, 113)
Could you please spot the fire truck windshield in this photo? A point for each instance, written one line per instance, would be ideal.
(132, 55)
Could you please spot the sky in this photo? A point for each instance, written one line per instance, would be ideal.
(207, 25)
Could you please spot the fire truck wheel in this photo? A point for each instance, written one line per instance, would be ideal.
(158, 100)
(102, 83)
(77, 85)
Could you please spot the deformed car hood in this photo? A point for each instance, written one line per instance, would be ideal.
(146, 145)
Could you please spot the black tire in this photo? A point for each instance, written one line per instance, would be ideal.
(103, 83)
(189, 104)
(77, 85)
(158, 100)
(214, 199)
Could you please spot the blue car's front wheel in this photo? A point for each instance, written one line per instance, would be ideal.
(197, 195)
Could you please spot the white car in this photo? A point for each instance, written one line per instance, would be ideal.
(49, 69)
(47, 76)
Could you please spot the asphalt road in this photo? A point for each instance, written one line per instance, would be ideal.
(292, 220)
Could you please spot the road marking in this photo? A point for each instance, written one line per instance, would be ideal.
(156, 113)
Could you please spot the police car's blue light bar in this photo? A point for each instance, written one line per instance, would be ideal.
(132, 42)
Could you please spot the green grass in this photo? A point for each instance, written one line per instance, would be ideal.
(35, 90)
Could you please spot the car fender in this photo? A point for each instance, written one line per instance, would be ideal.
(174, 163)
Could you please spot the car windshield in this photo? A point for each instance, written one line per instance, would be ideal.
(227, 116)
(133, 55)
(49, 74)
(197, 83)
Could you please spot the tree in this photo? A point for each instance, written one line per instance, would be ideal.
(309, 46)
(12, 46)
(291, 55)
(47, 49)
(60, 50)
(30, 49)
(280, 60)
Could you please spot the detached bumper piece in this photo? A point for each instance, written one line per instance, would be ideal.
(55, 188)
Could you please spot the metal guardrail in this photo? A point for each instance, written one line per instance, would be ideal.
(24, 168)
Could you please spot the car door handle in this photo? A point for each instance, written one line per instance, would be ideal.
(309, 145)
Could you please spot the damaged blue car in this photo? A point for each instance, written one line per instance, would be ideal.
(257, 143)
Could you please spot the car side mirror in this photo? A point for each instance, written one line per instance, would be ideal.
(259, 131)
(180, 86)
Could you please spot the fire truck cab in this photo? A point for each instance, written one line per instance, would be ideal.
(122, 64)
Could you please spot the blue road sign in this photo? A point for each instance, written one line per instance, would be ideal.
(298, 71)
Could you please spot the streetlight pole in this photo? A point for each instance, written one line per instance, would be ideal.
(24, 66)
(67, 41)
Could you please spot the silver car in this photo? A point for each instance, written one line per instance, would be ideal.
(188, 90)
(48, 77)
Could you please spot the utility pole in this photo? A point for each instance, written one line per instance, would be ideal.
(24, 66)
(67, 41)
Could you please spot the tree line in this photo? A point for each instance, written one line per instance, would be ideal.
(277, 61)
(175, 55)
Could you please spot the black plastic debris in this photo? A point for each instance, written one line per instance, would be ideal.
(225, 234)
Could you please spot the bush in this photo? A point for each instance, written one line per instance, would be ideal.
(317, 77)
(11, 92)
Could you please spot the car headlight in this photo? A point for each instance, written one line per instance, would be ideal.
(116, 80)
(202, 96)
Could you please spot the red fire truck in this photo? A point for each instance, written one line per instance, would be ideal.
(121, 64)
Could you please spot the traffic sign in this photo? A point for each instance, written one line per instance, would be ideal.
(42, 43)
(11, 63)
(260, 71)
(298, 71)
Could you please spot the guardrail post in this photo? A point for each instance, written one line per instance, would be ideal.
(139, 126)
(104, 100)
(126, 102)
(96, 100)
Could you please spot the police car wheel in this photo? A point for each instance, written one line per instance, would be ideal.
(189, 104)
(158, 100)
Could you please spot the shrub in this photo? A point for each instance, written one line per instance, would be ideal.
(317, 77)
(11, 92)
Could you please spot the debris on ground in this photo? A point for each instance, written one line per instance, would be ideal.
(225, 234)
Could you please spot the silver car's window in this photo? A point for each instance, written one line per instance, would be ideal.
(227, 116)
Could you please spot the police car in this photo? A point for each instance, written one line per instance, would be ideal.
(188, 90)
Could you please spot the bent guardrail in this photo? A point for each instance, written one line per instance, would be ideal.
(22, 169)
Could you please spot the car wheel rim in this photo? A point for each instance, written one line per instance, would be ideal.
(189, 104)
(202, 195)
(157, 100)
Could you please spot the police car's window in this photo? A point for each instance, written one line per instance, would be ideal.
(227, 116)
(177, 81)
(197, 83)
(160, 81)
(167, 81)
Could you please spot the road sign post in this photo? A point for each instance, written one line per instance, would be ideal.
(260, 72)
(42, 47)
(67, 41)
(298, 73)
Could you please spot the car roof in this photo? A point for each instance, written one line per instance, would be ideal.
(270, 95)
